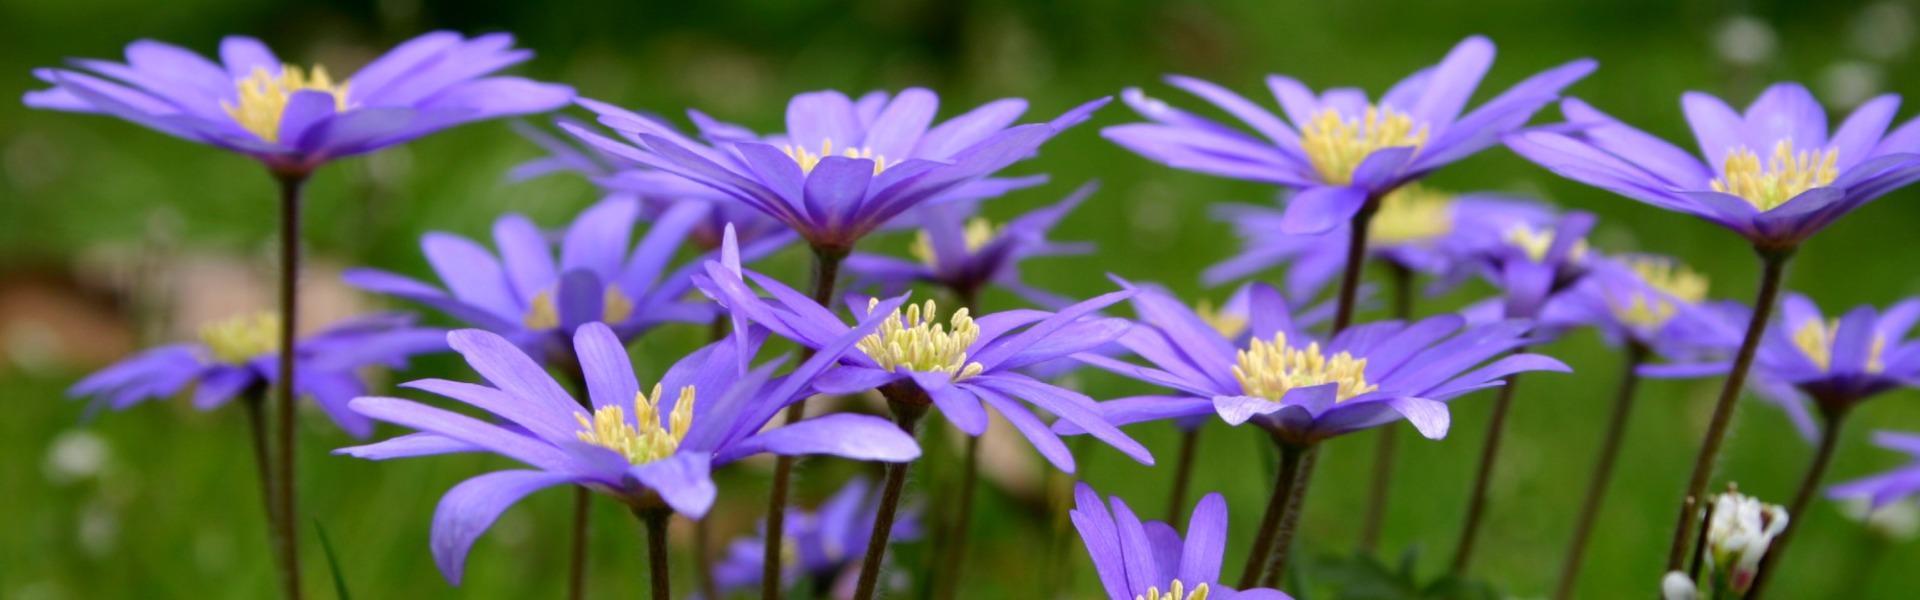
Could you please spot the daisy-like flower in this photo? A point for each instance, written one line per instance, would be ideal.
(1773, 175)
(1537, 263)
(240, 355)
(1149, 561)
(967, 255)
(702, 413)
(292, 118)
(827, 544)
(1892, 486)
(1340, 149)
(1654, 302)
(844, 168)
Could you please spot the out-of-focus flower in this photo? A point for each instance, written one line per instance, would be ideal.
(1678, 586)
(968, 255)
(1338, 148)
(1654, 302)
(1149, 560)
(294, 119)
(1772, 175)
(1891, 486)
(1737, 538)
(828, 544)
(242, 353)
(1533, 265)
(659, 455)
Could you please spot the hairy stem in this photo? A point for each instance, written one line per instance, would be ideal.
(286, 530)
(1797, 512)
(1263, 540)
(1483, 476)
(1602, 469)
(826, 269)
(907, 415)
(655, 521)
(1296, 498)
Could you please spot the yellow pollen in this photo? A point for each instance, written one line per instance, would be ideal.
(1229, 325)
(1412, 214)
(809, 160)
(541, 313)
(979, 231)
(1536, 243)
(240, 339)
(1673, 281)
(1786, 175)
(644, 440)
(916, 343)
(1815, 340)
(1175, 591)
(1336, 146)
(1269, 370)
(264, 97)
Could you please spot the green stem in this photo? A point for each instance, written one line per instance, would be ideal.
(286, 530)
(1183, 475)
(660, 578)
(1483, 476)
(1290, 524)
(1602, 470)
(1263, 540)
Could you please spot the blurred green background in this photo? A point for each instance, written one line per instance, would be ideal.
(113, 237)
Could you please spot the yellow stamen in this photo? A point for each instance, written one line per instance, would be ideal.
(644, 440)
(1536, 243)
(1336, 147)
(264, 97)
(1786, 175)
(1672, 281)
(1175, 591)
(240, 339)
(1269, 370)
(1815, 339)
(916, 343)
(809, 160)
(541, 313)
(1229, 325)
(979, 231)
(1412, 214)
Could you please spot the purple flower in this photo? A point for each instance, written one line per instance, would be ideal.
(660, 454)
(968, 255)
(844, 168)
(959, 365)
(1651, 301)
(1886, 488)
(1535, 264)
(1838, 363)
(1339, 149)
(1303, 389)
(828, 543)
(1773, 175)
(293, 119)
(1418, 229)
(242, 354)
(1149, 560)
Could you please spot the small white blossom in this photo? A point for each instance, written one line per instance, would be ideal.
(1738, 536)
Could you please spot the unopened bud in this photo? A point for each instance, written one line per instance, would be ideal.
(1738, 537)
(1678, 586)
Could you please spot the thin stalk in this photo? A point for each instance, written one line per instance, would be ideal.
(577, 558)
(1062, 543)
(1296, 498)
(1263, 541)
(956, 545)
(1797, 512)
(826, 269)
(1356, 261)
(1773, 265)
(655, 521)
(255, 400)
(1182, 475)
(1387, 440)
(1700, 545)
(703, 528)
(1483, 478)
(286, 530)
(1603, 469)
(907, 415)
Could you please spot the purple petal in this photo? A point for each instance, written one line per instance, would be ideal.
(1786, 111)
(858, 437)
(408, 446)
(1044, 440)
(580, 299)
(959, 406)
(470, 272)
(815, 119)
(1320, 209)
(525, 254)
(1719, 129)
(243, 55)
(1206, 540)
(509, 369)
(471, 507)
(1857, 136)
(1453, 81)
(1239, 409)
(597, 239)
(899, 126)
(682, 480)
(605, 365)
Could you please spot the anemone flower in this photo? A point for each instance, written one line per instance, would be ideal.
(1533, 265)
(1149, 560)
(658, 457)
(1339, 149)
(828, 544)
(968, 258)
(1886, 488)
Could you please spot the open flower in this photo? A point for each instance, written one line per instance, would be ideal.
(702, 413)
(292, 118)
(1338, 148)
(1772, 175)
(828, 544)
(241, 354)
(1889, 487)
(1537, 263)
(1302, 389)
(1149, 561)
(968, 255)
(1652, 301)
(844, 168)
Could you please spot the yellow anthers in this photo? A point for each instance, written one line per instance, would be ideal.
(1643, 311)
(916, 343)
(1536, 243)
(809, 160)
(240, 339)
(1412, 214)
(1228, 324)
(1674, 282)
(1336, 146)
(646, 440)
(979, 231)
(1815, 339)
(1269, 370)
(1175, 591)
(264, 97)
(541, 313)
(1784, 176)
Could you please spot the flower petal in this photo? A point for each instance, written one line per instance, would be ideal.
(471, 507)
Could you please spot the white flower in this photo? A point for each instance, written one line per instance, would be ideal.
(1738, 537)
(1678, 586)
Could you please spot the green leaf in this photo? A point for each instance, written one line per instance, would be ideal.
(333, 562)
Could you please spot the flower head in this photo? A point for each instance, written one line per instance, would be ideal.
(1892, 486)
(1838, 362)
(1149, 561)
(1653, 302)
(827, 543)
(1537, 263)
(1737, 538)
(293, 118)
(968, 255)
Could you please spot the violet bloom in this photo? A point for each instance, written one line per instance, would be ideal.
(1535, 264)
(660, 455)
(1834, 364)
(959, 365)
(828, 544)
(970, 255)
(1149, 561)
(1773, 175)
(241, 355)
(1417, 228)
(1302, 389)
(844, 168)
(1653, 302)
(1886, 488)
(295, 119)
(1340, 149)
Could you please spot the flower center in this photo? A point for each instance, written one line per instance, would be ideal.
(1815, 339)
(541, 313)
(1336, 146)
(644, 439)
(1269, 370)
(1412, 214)
(239, 339)
(264, 97)
(1175, 591)
(1228, 324)
(1674, 281)
(809, 160)
(916, 343)
(1536, 243)
(979, 231)
(1785, 175)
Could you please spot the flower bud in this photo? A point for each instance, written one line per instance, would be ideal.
(1738, 536)
(1678, 586)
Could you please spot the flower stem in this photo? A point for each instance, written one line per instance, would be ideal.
(1283, 542)
(569, 365)
(1773, 265)
(286, 532)
(1183, 474)
(955, 550)
(826, 269)
(255, 400)
(655, 520)
(907, 412)
(1636, 354)
(1387, 440)
(1356, 261)
(1797, 512)
(1483, 478)
(1263, 541)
